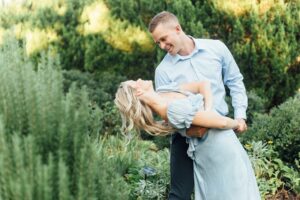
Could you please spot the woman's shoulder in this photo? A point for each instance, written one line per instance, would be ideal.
(181, 112)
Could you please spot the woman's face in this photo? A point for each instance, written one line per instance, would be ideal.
(145, 85)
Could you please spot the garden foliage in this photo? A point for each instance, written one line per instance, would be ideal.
(111, 35)
(57, 116)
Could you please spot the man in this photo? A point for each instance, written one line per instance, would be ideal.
(187, 60)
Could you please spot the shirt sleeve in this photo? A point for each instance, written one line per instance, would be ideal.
(161, 78)
(233, 78)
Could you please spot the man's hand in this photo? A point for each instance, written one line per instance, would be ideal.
(196, 131)
(242, 126)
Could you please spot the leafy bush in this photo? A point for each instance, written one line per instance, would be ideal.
(145, 167)
(271, 173)
(111, 119)
(101, 87)
(256, 104)
(281, 126)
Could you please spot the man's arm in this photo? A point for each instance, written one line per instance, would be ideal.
(193, 131)
(161, 78)
(196, 131)
(233, 78)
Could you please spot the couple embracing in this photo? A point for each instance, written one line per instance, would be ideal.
(206, 155)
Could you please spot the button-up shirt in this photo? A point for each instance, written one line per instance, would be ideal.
(210, 61)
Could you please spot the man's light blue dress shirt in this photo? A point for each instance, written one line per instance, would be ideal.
(210, 61)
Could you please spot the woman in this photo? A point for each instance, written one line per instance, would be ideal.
(222, 169)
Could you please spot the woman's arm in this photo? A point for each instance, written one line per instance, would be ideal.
(211, 119)
(208, 118)
(202, 88)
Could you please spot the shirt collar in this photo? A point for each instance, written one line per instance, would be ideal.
(197, 48)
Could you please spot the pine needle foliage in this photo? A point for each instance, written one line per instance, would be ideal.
(48, 139)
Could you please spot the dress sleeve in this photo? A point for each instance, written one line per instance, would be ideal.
(181, 112)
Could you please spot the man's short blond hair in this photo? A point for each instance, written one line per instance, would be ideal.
(161, 18)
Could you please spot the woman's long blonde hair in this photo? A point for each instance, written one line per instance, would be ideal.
(136, 114)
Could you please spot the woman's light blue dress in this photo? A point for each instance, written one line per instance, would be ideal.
(222, 169)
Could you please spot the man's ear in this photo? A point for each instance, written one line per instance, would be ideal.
(178, 28)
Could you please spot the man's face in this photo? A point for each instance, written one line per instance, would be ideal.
(167, 37)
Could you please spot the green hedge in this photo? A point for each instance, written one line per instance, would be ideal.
(280, 127)
(263, 36)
